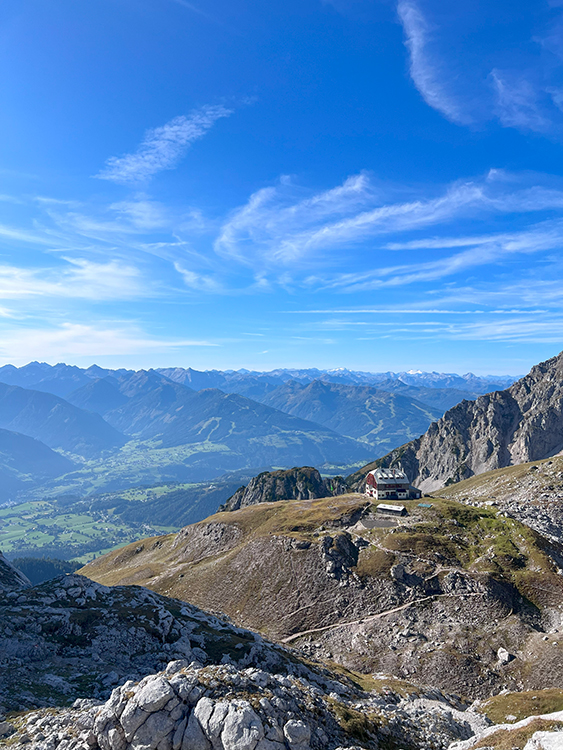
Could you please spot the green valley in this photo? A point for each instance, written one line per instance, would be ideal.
(47, 528)
(72, 527)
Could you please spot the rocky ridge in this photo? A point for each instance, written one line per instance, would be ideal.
(520, 424)
(71, 637)
(531, 493)
(190, 707)
(303, 483)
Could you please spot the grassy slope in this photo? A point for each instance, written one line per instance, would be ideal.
(524, 704)
(211, 565)
(472, 539)
(262, 567)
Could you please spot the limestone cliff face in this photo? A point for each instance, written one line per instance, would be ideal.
(303, 483)
(522, 423)
(11, 579)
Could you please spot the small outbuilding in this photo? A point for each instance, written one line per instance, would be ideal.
(394, 510)
(390, 484)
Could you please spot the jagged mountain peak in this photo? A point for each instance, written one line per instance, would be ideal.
(299, 483)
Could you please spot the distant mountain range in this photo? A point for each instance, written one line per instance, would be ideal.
(232, 380)
(364, 413)
(62, 379)
(118, 428)
(56, 422)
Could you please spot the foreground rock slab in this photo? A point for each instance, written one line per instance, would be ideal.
(220, 707)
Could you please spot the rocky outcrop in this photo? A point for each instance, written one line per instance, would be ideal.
(11, 579)
(189, 707)
(522, 423)
(304, 483)
(531, 493)
(73, 638)
(527, 730)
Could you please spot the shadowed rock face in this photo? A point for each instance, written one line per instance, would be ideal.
(303, 483)
(11, 579)
(522, 423)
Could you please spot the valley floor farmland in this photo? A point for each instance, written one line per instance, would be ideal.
(44, 528)
(72, 527)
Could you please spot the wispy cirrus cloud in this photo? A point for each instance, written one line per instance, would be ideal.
(472, 78)
(546, 329)
(502, 325)
(162, 147)
(102, 339)
(426, 69)
(191, 6)
(518, 102)
(354, 238)
(24, 235)
(491, 250)
(198, 281)
(277, 227)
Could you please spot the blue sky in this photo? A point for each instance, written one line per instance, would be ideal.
(354, 183)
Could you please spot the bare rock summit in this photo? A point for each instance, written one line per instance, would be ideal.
(299, 483)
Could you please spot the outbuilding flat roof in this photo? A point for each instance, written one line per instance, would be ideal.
(391, 508)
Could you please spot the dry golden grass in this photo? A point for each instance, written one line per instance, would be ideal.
(522, 705)
(296, 518)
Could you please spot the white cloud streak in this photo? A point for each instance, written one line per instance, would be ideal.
(273, 230)
(404, 311)
(470, 82)
(85, 340)
(198, 282)
(517, 103)
(162, 147)
(191, 7)
(427, 72)
(78, 279)
(540, 329)
(22, 235)
(485, 252)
